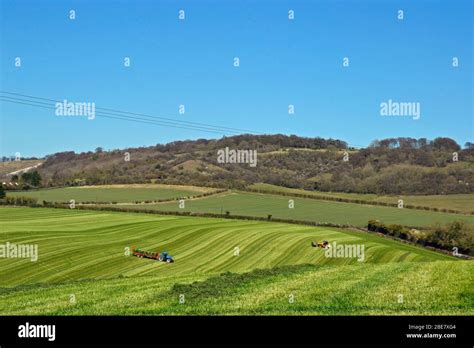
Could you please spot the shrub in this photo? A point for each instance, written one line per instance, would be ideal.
(456, 234)
(20, 200)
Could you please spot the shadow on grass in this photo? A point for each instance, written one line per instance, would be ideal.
(228, 283)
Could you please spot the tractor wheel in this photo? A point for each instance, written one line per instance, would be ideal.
(161, 258)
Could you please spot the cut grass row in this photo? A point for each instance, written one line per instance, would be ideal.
(81, 253)
(79, 244)
(405, 288)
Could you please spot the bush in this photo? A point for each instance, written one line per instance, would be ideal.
(19, 200)
(377, 226)
(396, 230)
(456, 234)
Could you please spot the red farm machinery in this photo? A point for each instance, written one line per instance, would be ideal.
(154, 255)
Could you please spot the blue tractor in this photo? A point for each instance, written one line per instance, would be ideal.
(165, 257)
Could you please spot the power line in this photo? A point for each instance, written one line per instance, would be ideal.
(137, 117)
(121, 117)
(114, 111)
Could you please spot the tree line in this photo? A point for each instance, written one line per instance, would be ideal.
(389, 166)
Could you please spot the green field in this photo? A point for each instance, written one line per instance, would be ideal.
(254, 204)
(261, 205)
(82, 254)
(114, 193)
(461, 202)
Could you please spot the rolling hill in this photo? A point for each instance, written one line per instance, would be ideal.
(399, 166)
(82, 255)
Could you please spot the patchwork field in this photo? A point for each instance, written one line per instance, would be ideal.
(261, 205)
(114, 193)
(254, 204)
(83, 254)
(461, 202)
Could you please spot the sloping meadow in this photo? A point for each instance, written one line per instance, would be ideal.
(222, 267)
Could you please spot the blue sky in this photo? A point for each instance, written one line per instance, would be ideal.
(190, 62)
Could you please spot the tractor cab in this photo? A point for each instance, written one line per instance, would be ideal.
(165, 257)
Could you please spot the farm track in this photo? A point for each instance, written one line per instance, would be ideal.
(193, 198)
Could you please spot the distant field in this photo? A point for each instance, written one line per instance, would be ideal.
(8, 167)
(254, 204)
(460, 202)
(259, 204)
(114, 193)
(82, 253)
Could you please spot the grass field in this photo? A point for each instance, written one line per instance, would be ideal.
(9, 167)
(259, 204)
(253, 204)
(81, 253)
(461, 202)
(114, 193)
(427, 289)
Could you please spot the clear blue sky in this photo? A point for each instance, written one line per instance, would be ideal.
(191, 62)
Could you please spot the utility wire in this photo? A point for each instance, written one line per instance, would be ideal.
(114, 111)
(137, 117)
(120, 117)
